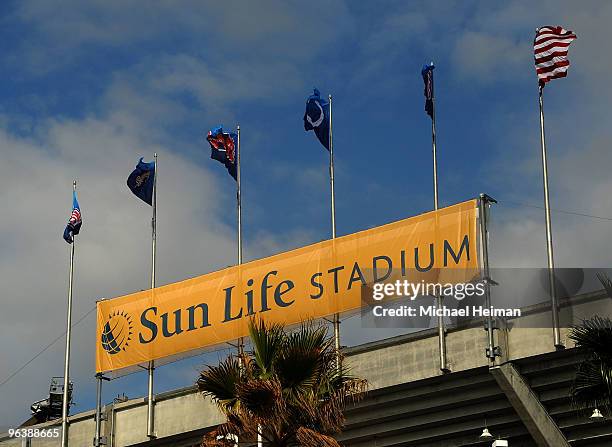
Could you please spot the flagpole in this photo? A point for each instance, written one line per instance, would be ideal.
(433, 144)
(98, 409)
(238, 197)
(239, 215)
(99, 440)
(441, 326)
(549, 243)
(151, 366)
(68, 337)
(336, 320)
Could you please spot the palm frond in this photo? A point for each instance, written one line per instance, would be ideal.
(589, 389)
(288, 389)
(311, 438)
(267, 342)
(595, 336)
(221, 383)
(606, 283)
(303, 358)
(262, 397)
(592, 385)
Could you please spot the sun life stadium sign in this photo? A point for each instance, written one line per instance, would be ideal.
(306, 283)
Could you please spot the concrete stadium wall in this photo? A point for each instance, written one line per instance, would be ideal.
(386, 363)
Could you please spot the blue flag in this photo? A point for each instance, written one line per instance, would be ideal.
(316, 117)
(224, 147)
(74, 223)
(427, 73)
(141, 181)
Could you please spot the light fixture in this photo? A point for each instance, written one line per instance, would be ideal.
(596, 416)
(486, 434)
(500, 443)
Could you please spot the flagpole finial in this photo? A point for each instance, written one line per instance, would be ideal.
(74, 185)
(329, 96)
(431, 63)
(238, 127)
(154, 154)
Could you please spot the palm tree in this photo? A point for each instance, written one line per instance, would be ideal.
(592, 386)
(289, 389)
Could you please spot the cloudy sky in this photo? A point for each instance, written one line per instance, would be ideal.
(89, 87)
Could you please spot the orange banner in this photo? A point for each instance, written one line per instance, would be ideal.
(310, 282)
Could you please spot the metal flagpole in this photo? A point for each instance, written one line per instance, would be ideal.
(68, 336)
(98, 440)
(549, 243)
(239, 215)
(441, 326)
(433, 144)
(484, 203)
(238, 197)
(333, 221)
(151, 367)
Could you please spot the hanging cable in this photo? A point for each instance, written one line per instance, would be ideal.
(573, 213)
(21, 368)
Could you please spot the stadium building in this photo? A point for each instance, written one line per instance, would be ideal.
(521, 398)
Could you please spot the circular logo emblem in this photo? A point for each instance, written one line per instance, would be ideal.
(117, 332)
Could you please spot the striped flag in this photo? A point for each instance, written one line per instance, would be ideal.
(550, 49)
(74, 223)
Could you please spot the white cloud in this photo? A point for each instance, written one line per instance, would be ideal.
(276, 29)
(232, 53)
(113, 249)
(492, 57)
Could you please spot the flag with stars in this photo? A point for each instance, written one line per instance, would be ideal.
(74, 223)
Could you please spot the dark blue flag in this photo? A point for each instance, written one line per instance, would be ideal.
(427, 73)
(142, 180)
(223, 148)
(316, 117)
(75, 221)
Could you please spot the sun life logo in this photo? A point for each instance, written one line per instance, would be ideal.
(117, 332)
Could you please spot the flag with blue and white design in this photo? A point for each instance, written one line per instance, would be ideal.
(74, 223)
(316, 117)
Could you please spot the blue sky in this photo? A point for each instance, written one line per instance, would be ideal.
(88, 87)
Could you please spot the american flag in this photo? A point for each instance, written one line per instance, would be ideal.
(75, 217)
(550, 48)
(74, 223)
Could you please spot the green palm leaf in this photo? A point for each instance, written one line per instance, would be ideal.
(221, 383)
(302, 361)
(288, 389)
(592, 385)
(267, 342)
